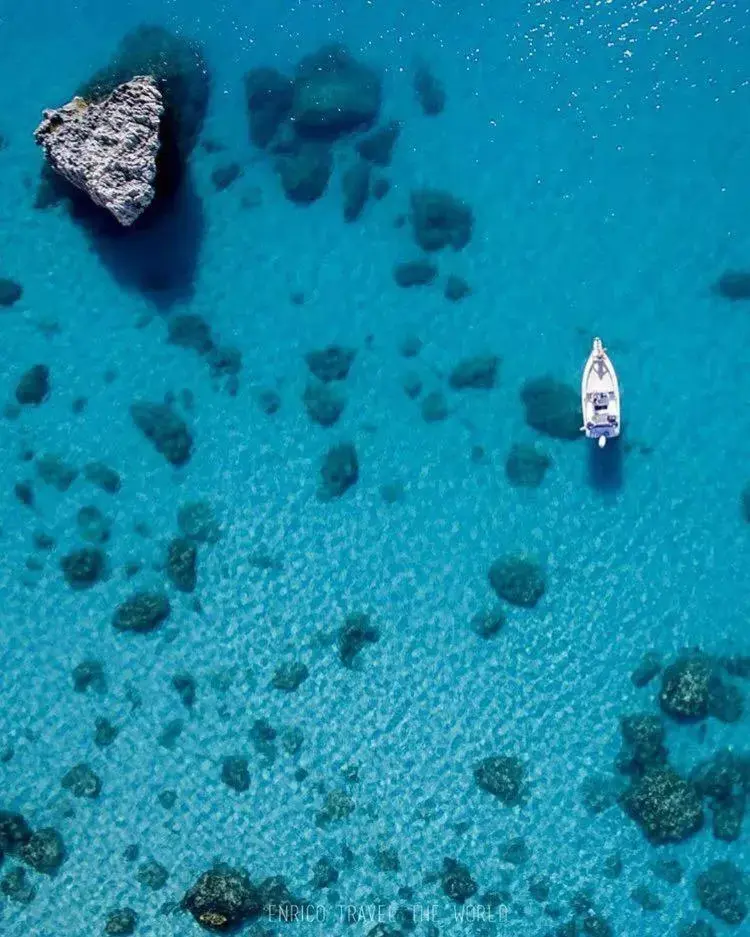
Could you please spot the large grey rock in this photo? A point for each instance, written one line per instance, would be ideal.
(108, 149)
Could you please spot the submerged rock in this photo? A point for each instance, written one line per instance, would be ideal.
(479, 372)
(354, 636)
(190, 331)
(182, 558)
(434, 407)
(410, 273)
(355, 184)
(103, 477)
(108, 148)
(503, 776)
(83, 568)
(338, 805)
(489, 622)
(517, 579)
(33, 386)
(269, 96)
(16, 886)
(745, 504)
(377, 148)
(332, 363)
(305, 173)
(44, 851)
(82, 781)
(552, 408)
(185, 686)
(152, 874)
(197, 521)
(10, 292)
(429, 91)
(692, 689)
(643, 749)
(55, 471)
(440, 220)
(665, 806)
(165, 429)
(725, 781)
(456, 881)
(456, 289)
(323, 403)
(121, 921)
(222, 899)
(235, 773)
(142, 612)
(92, 525)
(14, 831)
(89, 674)
(223, 176)
(722, 890)
(334, 94)
(339, 471)
(648, 668)
(698, 929)
(733, 285)
(290, 676)
(526, 466)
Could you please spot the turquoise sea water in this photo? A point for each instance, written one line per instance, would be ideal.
(604, 150)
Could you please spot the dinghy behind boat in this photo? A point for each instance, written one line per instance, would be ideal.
(600, 396)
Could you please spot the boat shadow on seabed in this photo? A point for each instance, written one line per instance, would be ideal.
(605, 466)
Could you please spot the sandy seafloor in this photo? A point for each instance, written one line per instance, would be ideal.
(604, 149)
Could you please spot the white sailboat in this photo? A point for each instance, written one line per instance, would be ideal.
(600, 396)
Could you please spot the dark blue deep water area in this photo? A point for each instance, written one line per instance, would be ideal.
(319, 614)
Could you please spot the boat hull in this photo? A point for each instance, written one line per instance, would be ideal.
(600, 397)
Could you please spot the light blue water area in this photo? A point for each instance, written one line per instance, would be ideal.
(604, 151)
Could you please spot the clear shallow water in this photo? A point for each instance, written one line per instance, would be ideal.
(604, 151)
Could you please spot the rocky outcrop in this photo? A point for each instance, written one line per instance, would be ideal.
(108, 149)
(182, 78)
